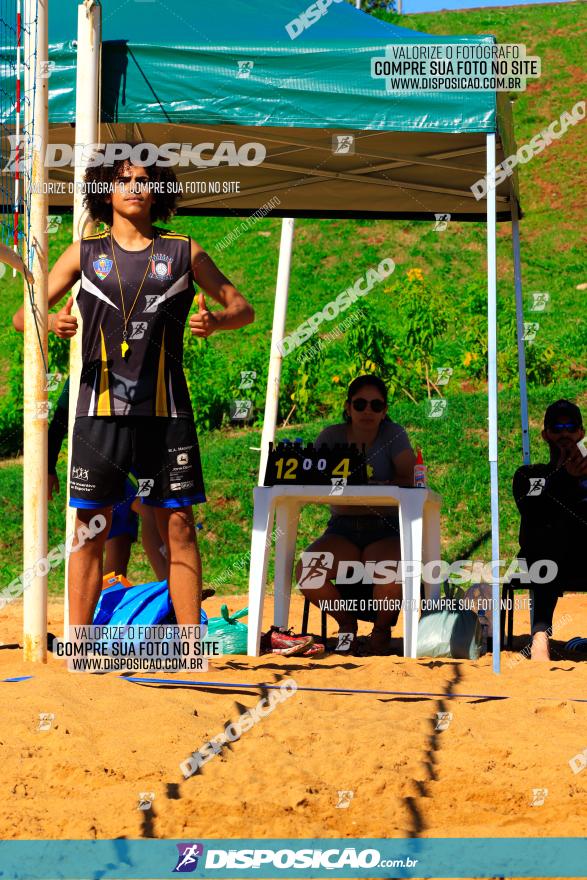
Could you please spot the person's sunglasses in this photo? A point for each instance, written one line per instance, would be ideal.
(361, 403)
(563, 426)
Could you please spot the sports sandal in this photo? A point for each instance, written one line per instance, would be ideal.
(314, 650)
(283, 641)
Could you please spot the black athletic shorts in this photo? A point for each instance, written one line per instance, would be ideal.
(163, 454)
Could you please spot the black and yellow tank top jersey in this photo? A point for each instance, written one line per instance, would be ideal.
(149, 379)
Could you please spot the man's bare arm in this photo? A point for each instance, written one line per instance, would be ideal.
(12, 258)
(62, 277)
(237, 312)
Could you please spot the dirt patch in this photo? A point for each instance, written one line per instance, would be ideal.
(9, 462)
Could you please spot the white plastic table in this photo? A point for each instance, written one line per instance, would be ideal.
(419, 519)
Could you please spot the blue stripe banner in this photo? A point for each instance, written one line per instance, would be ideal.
(312, 858)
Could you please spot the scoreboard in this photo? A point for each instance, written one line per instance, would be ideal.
(292, 464)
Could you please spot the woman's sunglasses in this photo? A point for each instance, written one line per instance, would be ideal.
(361, 403)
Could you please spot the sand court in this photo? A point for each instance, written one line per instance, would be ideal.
(404, 766)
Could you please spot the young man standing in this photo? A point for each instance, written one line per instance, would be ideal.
(133, 408)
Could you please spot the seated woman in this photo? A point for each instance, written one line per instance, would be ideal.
(365, 533)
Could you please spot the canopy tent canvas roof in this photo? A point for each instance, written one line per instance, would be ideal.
(415, 153)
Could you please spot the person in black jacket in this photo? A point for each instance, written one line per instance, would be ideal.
(552, 500)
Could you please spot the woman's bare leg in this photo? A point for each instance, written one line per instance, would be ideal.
(342, 550)
(379, 551)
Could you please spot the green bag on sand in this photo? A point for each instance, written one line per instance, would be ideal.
(449, 633)
(455, 634)
(228, 632)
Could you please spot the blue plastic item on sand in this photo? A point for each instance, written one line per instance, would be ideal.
(143, 605)
(578, 643)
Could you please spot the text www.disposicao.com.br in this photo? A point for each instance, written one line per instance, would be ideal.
(137, 664)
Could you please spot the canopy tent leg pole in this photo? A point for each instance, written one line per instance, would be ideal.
(520, 328)
(35, 478)
(87, 125)
(492, 392)
(521, 349)
(277, 334)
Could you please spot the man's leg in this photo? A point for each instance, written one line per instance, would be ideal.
(85, 567)
(544, 605)
(152, 541)
(176, 525)
(117, 555)
(100, 461)
(169, 451)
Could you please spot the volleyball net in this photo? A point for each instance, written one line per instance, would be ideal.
(18, 85)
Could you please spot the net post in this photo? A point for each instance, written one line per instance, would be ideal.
(35, 343)
(87, 128)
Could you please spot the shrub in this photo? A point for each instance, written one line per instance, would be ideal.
(208, 383)
(11, 407)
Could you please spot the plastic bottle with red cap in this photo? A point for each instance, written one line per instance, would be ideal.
(420, 471)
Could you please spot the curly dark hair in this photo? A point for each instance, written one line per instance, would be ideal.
(98, 177)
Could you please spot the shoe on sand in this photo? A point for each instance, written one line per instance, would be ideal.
(283, 641)
(314, 650)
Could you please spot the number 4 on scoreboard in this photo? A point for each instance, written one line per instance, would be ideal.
(342, 469)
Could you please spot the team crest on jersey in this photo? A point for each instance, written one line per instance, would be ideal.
(102, 266)
(161, 267)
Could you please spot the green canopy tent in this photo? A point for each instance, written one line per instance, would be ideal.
(210, 77)
(285, 97)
